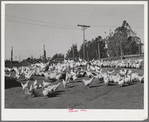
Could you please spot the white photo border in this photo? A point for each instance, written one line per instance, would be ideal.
(63, 114)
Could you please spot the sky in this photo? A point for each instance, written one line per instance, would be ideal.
(29, 26)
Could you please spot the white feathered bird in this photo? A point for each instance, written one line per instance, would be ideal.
(88, 82)
(35, 84)
(45, 84)
(24, 86)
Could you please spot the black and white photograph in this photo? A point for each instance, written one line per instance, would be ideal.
(72, 60)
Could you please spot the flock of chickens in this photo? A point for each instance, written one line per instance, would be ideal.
(70, 71)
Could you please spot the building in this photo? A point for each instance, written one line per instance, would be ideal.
(44, 60)
(11, 64)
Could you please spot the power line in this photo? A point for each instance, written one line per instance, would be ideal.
(38, 21)
(112, 26)
(44, 25)
(53, 25)
(60, 25)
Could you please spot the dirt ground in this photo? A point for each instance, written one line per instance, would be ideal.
(78, 96)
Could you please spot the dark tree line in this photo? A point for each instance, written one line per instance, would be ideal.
(58, 55)
(122, 41)
(72, 53)
(94, 49)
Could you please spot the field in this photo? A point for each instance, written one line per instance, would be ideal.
(78, 96)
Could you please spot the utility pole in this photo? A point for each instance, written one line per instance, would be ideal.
(121, 50)
(98, 51)
(96, 54)
(87, 56)
(138, 42)
(84, 27)
(73, 53)
(11, 64)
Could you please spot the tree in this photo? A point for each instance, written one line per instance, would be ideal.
(92, 49)
(119, 43)
(58, 55)
(72, 52)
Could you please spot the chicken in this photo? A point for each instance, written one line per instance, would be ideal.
(89, 74)
(106, 81)
(127, 79)
(64, 83)
(46, 75)
(31, 90)
(116, 79)
(98, 76)
(58, 77)
(123, 72)
(45, 84)
(8, 75)
(53, 76)
(35, 84)
(28, 75)
(88, 82)
(104, 75)
(50, 89)
(138, 65)
(45, 92)
(134, 76)
(110, 72)
(72, 73)
(110, 78)
(140, 78)
(25, 85)
(121, 82)
(129, 72)
(92, 68)
(40, 86)
(67, 77)
(17, 76)
(74, 77)
(55, 86)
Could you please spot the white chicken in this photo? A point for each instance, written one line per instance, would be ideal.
(116, 79)
(89, 74)
(106, 81)
(45, 92)
(8, 75)
(28, 75)
(17, 76)
(35, 84)
(121, 82)
(88, 82)
(64, 83)
(47, 75)
(74, 78)
(40, 86)
(58, 77)
(127, 79)
(24, 86)
(129, 72)
(123, 72)
(68, 76)
(110, 72)
(54, 87)
(45, 84)
(140, 78)
(50, 89)
(31, 90)
(134, 76)
(110, 78)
